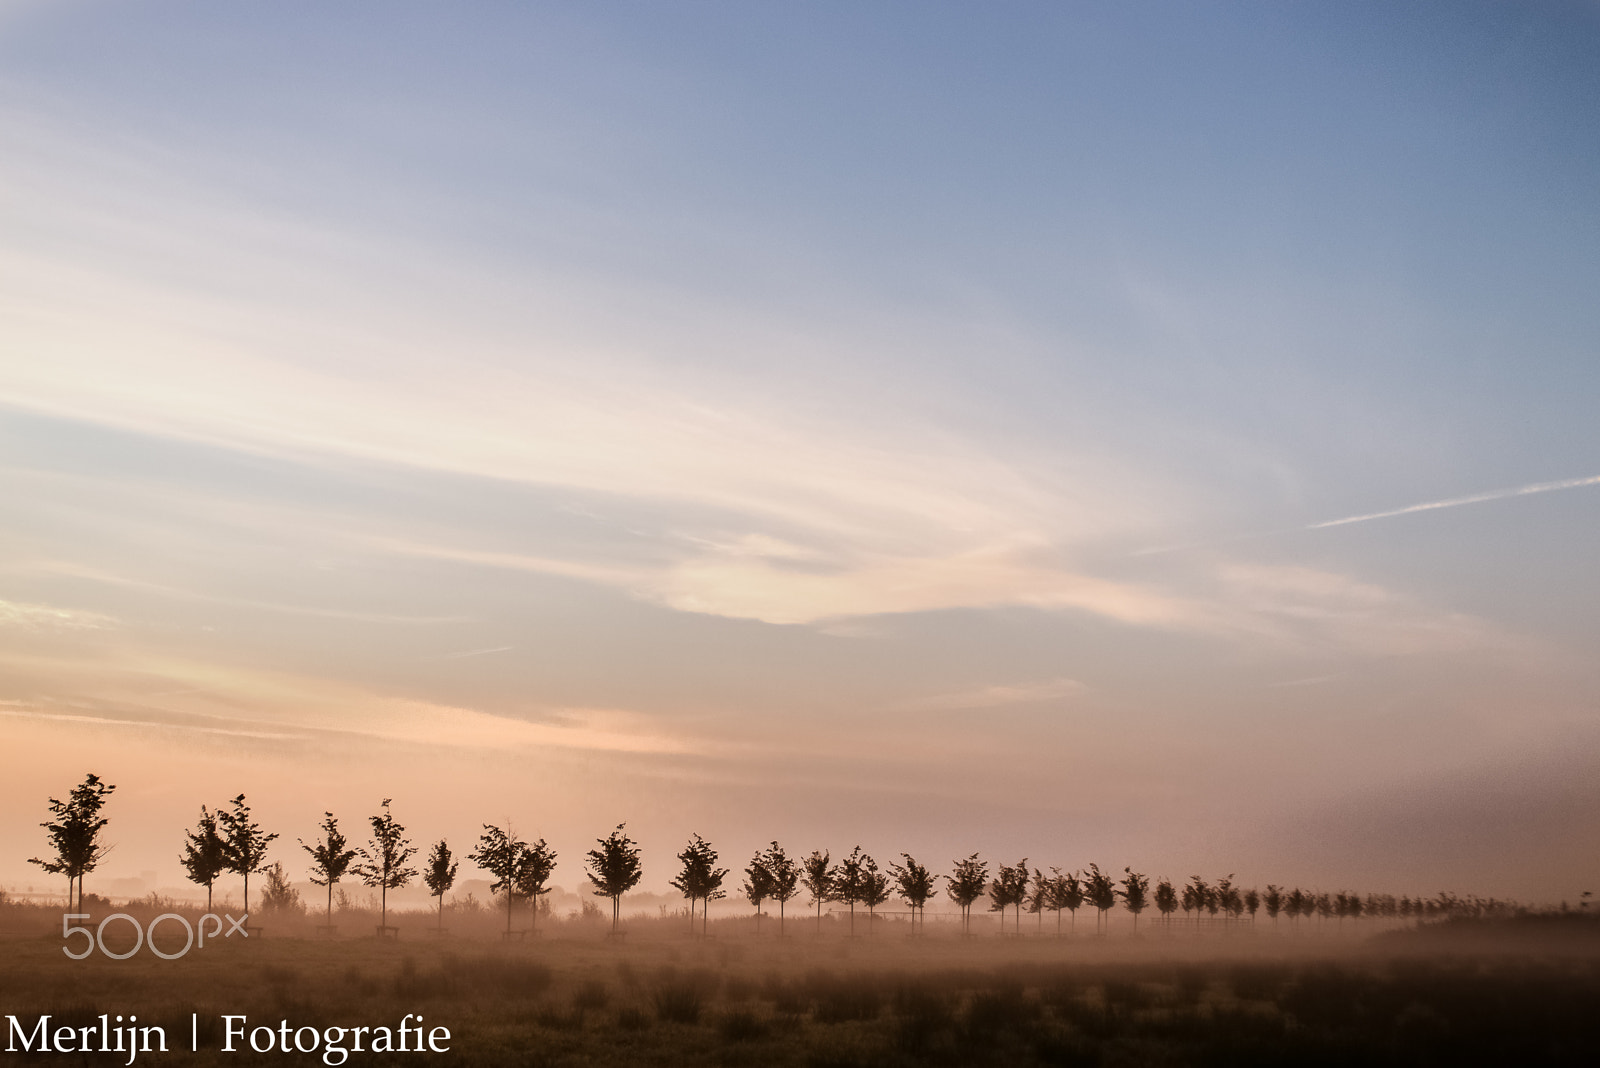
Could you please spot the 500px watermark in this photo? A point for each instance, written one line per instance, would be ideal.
(194, 935)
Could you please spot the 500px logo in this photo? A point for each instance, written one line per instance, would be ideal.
(144, 936)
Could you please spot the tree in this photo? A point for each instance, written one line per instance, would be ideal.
(785, 879)
(874, 890)
(246, 843)
(757, 884)
(965, 884)
(1066, 893)
(1195, 896)
(439, 874)
(1039, 898)
(1252, 902)
(1135, 894)
(1296, 905)
(383, 862)
(614, 869)
(1274, 902)
(1166, 900)
(520, 870)
(498, 853)
(74, 833)
(534, 865)
(205, 854)
(1010, 887)
(699, 878)
(849, 882)
(915, 885)
(1226, 898)
(1101, 892)
(279, 896)
(817, 877)
(330, 858)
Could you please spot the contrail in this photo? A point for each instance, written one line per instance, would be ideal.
(1427, 506)
(1452, 502)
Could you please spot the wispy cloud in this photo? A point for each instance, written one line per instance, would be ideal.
(1456, 502)
(43, 617)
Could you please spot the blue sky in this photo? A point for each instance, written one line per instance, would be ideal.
(885, 422)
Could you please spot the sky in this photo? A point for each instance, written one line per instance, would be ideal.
(1156, 435)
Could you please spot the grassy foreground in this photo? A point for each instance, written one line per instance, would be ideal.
(822, 1002)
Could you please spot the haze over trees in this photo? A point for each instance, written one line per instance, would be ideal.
(74, 833)
(230, 840)
(614, 869)
(331, 857)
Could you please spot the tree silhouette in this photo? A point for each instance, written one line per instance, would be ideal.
(817, 877)
(1010, 887)
(699, 878)
(1295, 906)
(1101, 892)
(874, 890)
(784, 876)
(757, 884)
(1068, 891)
(534, 864)
(966, 884)
(1055, 895)
(850, 882)
(74, 833)
(1195, 896)
(383, 862)
(915, 885)
(246, 843)
(205, 854)
(1166, 900)
(520, 870)
(439, 874)
(614, 869)
(1226, 898)
(1274, 902)
(1252, 902)
(330, 858)
(1135, 894)
(498, 853)
(279, 896)
(1039, 898)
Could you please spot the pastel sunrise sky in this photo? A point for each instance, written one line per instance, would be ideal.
(1154, 434)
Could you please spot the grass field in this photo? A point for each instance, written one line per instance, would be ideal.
(1512, 994)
